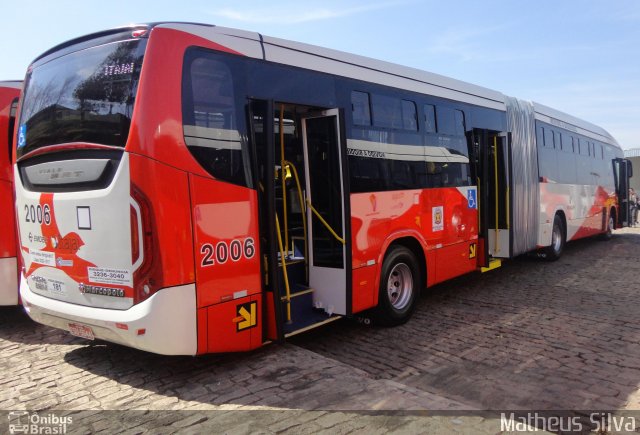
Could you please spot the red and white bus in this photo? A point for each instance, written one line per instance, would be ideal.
(9, 96)
(186, 188)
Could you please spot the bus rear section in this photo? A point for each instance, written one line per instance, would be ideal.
(9, 96)
(88, 209)
(181, 197)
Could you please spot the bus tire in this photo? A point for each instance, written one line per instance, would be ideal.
(399, 287)
(609, 231)
(558, 240)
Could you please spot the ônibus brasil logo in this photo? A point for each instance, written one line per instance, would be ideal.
(25, 422)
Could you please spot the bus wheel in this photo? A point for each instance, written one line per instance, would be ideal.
(399, 287)
(554, 251)
(609, 232)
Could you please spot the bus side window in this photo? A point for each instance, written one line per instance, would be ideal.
(567, 143)
(210, 118)
(459, 122)
(540, 136)
(409, 115)
(368, 174)
(387, 112)
(430, 118)
(446, 120)
(406, 174)
(361, 108)
(584, 148)
(548, 139)
(451, 123)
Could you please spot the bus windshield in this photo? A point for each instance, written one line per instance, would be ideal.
(84, 96)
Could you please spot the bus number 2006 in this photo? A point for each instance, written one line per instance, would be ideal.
(223, 251)
(37, 214)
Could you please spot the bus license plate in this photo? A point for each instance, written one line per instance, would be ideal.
(82, 331)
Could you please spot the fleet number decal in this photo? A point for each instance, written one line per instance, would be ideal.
(224, 251)
(37, 214)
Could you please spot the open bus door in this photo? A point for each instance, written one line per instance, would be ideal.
(623, 171)
(326, 219)
(302, 213)
(490, 152)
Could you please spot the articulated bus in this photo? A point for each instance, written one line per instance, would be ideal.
(9, 266)
(187, 189)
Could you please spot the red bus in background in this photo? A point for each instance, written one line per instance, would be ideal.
(9, 95)
(187, 189)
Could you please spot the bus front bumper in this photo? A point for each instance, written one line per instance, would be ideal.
(164, 324)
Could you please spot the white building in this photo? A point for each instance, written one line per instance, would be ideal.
(634, 155)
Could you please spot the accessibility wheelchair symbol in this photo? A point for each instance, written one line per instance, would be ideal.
(471, 199)
(22, 136)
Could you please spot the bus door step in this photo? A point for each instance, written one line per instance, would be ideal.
(494, 263)
(303, 315)
(326, 320)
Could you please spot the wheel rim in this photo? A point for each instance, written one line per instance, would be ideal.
(556, 238)
(400, 286)
(610, 229)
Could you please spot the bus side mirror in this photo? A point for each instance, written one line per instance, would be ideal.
(629, 169)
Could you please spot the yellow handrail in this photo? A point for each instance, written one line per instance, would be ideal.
(326, 225)
(284, 270)
(283, 177)
(302, 206)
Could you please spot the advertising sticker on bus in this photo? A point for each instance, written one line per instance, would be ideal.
(437, 218)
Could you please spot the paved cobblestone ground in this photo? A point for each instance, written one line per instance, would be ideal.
(561, 335)
(532, 335)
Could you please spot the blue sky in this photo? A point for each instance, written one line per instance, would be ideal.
(581, 57)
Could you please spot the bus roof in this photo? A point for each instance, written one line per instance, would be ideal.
(552, 116)
(354, 66)
(343, 64)
(376, 71)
